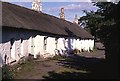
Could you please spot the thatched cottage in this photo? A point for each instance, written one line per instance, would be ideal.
(25, 31)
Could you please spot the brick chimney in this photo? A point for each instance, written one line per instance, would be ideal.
(62, 15)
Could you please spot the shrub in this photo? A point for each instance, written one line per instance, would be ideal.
(76, 51)
(6, 72)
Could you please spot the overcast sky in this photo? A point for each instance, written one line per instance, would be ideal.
(52, 7)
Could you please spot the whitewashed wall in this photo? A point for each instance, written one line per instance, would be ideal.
(5, 50)
(61, 45)
(18, 49)
(26, 43)
(36, 46)
(50, 50)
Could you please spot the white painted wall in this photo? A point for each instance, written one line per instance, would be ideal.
(5, 50)
(34, 44)
(41, 44)
(61, 45)
(38, 45)
(74, 43)
(30, 44)
(18, 49)
(25, 46)
(13, 50)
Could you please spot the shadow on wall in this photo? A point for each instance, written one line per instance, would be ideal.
(70, 33)
(17, 34)
(8, 45)
(12, 35)
(69, 42)
(1, 63)
(95, 69)
(9, 33)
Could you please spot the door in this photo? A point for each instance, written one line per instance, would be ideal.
(12, 50)
(22, 48)
(32, 46)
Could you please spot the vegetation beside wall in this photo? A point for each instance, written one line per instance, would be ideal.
(7, 72)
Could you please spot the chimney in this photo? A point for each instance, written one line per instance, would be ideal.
(75, 19)
(62, 15)
(36, 5)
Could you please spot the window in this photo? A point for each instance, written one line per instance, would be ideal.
(45, 43)
(11, 43)
(21, 40)
(56, 42)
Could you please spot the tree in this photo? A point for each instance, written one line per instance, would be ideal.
(104, 24)
(91, 22)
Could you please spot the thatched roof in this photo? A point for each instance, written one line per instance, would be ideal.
(19, 17)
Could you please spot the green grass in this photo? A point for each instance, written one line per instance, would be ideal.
(67, 69)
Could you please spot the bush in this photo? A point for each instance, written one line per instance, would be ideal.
(76, 51)
(21, 61)
(57, 57)
(6, 72)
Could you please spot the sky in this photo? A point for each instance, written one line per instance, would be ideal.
(71, 8)
(58, 0)
(52, 7)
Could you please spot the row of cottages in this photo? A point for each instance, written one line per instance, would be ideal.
(25, 31)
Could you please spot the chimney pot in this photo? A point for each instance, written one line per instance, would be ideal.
(62, 15)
